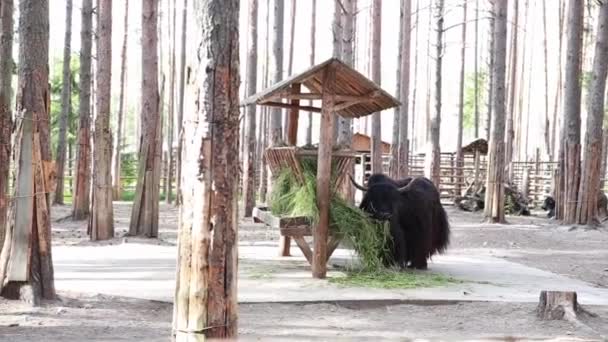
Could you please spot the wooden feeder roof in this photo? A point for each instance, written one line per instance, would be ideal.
(480, 145)
(355, 94)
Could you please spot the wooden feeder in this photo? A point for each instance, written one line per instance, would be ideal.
(343, 91)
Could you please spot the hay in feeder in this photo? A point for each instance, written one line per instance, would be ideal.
(369, 238)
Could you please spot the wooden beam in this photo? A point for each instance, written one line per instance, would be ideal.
(292, 119)
(319, 265)
(353, 100)
(290, 106)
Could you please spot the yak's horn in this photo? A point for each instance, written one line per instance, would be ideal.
(360, 187)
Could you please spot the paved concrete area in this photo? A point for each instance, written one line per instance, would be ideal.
(147, 271)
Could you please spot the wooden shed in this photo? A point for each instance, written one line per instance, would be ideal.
(363, 143)
(342, 91)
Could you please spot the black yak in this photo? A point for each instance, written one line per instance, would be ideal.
(418, 222)
(602, 206)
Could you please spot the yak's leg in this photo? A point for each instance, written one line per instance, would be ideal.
(399, 245)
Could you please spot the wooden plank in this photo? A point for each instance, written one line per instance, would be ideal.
(319, 265)
(296, 230)
(290, 106)
(334, 241)
(24, 206)
(304, 247)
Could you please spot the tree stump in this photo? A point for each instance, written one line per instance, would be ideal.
(557, 305)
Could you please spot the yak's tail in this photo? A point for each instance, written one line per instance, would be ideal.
(441, 234)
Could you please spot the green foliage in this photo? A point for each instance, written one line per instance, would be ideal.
(468, 120)
(393, 279)
(56, 80)
(128, 169)
(369, 238)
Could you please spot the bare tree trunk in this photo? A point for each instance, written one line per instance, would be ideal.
(376, 77)
(205, 296)
(554, 140)
(491, 55)
(345, 135)
(6, 91)
(102, 225)
(180, 110)
(26, 265)
(252, 61)
(117, 186)
(313, 25)
(570, 160)
(276, 126)
(427, 125)
(393, 168)
(546, 128)
(494, 200)
(292, 115)
(66, 104)
(405, 90)
(459, 155)
(510, 134)
(413, 142)
(171, 115)
(590, 173)
(144, 215)
(338, 37)
(433, 156)
(521, 89)
(476, 72)
(80, 202)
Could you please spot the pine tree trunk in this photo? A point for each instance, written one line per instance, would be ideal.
(591, 168)
(512, 86)
(6, 77)
(171, 115)
(413, 142)
(519, 127)
(66, 92)
(494, 200)
(26, 266)
(206, 288)
(393, 168)
(180, 110)
(313, 25)
(291, 119)
(554, 122)
(276, 114)
(459, 155)
(376, 64)
(570, 160)
(144, 215)
(80, 201)
(546, 127)
(433, 156)
(403, 153)
(427, 125)
(491, 55)
(102, 223)
(117, 186)
(265, 132)
(345, 125)
(252, 61)
(476, 72)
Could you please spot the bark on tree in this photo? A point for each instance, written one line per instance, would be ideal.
(250, 128)
(512, 86)
(291, 119)
(393, 168)
(205, 296)
(276, 118)
(180, 110)
(6, 91)
(82, 192)
(433, 156)
(403, 146)
(345, 135)
(590, 172)
(520, 127)
(491, 56)
(264, 131)
(117, 186)
(494, 210)
(459, 155)
(413, 142)
(476, 72)
(429, 77)
(376, 63)
(554, 122)
(171, 114)
(102, 221)
(313, 25)
(26, 266)
(66, 104)
(570, 159)
(144, 215)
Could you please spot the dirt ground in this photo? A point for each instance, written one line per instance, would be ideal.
(533, 241)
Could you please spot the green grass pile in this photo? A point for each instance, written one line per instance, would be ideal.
(370, 239)
(393, 279)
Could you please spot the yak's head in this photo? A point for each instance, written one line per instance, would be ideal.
(379, 199)
(548, 203)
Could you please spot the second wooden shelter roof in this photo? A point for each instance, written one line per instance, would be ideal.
(356, 95)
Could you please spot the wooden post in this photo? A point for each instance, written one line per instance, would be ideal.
(292, 120)
(319, 265)
(557, 305)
